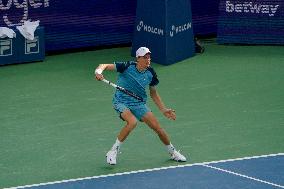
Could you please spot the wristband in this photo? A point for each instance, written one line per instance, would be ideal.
(98, 71)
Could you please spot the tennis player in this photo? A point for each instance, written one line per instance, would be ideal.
(135, 77)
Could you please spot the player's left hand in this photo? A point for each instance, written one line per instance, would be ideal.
(170, 114)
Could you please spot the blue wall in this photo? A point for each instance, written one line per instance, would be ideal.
(90, 23)
(251, 22)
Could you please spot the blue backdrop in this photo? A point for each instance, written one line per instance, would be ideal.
(90, 23)
(166, 28)
(251, 22)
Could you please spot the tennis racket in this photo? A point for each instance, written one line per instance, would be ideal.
(123, 90)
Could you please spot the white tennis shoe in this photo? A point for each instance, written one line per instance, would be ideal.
(111, 157)
(177, 156)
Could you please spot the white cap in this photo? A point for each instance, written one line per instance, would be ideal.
(142, 51)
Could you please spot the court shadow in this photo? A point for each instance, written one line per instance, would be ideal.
(108, 167)
(171, 162)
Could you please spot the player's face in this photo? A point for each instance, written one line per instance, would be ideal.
(145, 60)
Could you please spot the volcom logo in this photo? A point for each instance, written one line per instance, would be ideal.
(250, 7)
(32, 46)
(24, 5)
(149, 29)
(179, 29)
(6, 47)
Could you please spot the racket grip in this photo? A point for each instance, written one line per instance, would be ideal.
(110, 83)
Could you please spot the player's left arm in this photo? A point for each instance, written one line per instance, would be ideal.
(169, 113)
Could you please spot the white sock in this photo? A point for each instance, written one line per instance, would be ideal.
(170, 148)
(116, 145)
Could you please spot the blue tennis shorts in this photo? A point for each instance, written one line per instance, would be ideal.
(137, 110)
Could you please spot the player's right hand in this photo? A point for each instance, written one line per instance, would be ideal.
(99, 77)
(99, 74)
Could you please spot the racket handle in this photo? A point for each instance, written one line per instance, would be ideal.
(122, 89)
(110, 83)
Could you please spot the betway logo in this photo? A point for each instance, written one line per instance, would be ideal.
(150, 29)
(250, 7)
(24, 5)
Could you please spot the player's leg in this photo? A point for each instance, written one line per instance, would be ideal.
(153, 123)
(144, 114)
(131, 122)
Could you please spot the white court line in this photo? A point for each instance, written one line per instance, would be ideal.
(241, 175)
(145, 170)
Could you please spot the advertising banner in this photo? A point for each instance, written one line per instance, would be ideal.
(20, 49)
(32, 50)
(74, 23)
(71, 24)
(8, 51)
(251, 22)
(166, 28)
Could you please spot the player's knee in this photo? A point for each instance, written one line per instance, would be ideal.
(131, 124)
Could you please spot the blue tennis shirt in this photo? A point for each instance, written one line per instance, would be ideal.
(135, 81)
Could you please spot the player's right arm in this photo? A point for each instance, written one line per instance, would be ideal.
(99, 70)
